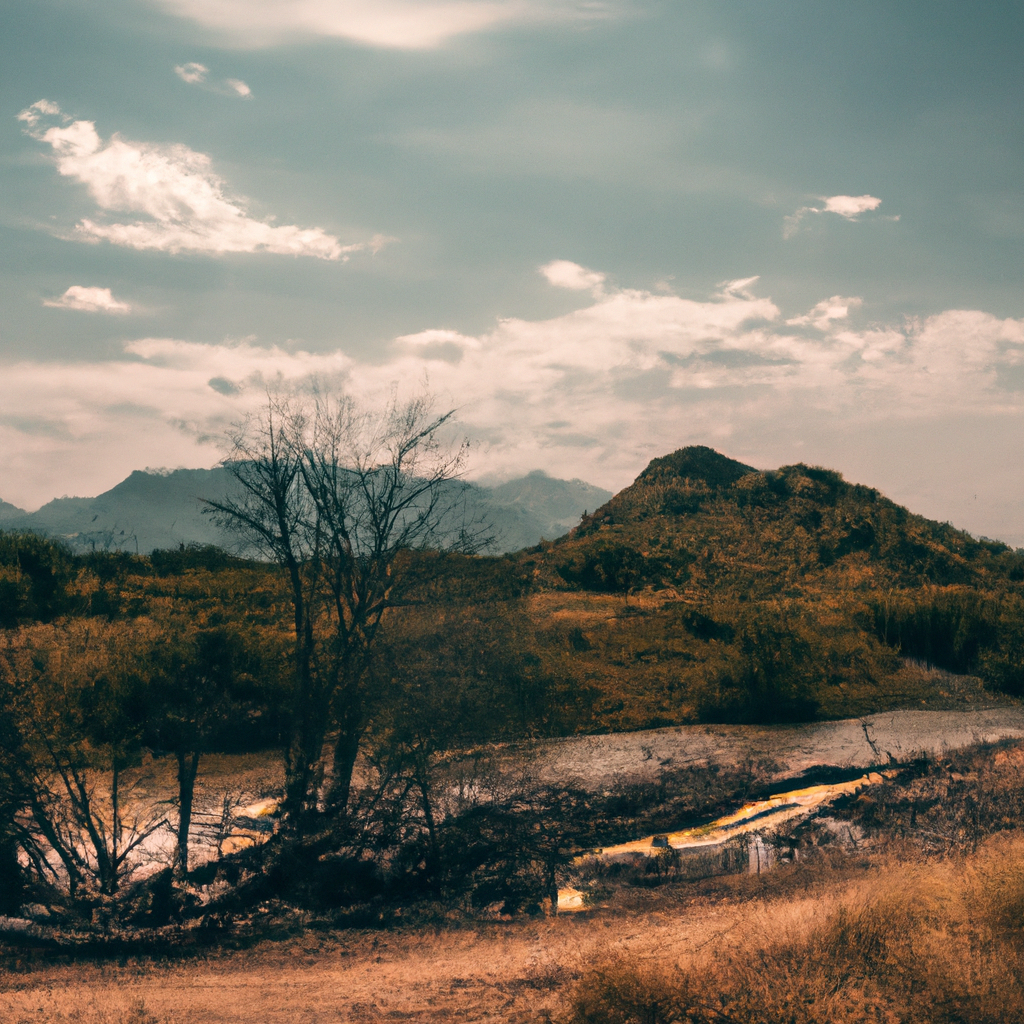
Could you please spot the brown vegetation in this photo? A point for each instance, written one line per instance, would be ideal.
(935, 942)
(705, 592)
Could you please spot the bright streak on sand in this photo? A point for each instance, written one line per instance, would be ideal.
(752, 817)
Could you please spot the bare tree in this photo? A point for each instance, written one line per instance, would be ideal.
(339, 497)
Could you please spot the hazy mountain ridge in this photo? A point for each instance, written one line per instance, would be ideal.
(9, 511)
(149, 510)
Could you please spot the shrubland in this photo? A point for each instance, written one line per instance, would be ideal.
(704, 592)
(919, 923)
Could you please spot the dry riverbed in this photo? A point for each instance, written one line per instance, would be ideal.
(231, 786)
(597, 762)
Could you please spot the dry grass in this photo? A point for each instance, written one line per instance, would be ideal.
(927, 943)
(895, 935)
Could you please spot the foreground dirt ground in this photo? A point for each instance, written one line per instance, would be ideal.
(513, 972)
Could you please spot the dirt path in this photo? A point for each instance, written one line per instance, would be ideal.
(514, 972)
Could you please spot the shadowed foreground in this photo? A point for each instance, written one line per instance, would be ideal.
(881, 939)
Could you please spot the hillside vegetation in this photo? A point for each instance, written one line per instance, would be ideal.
(708, 590)
(704, 591)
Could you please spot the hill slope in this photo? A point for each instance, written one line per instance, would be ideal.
(706, 525)
(708, 590)
(9, 511)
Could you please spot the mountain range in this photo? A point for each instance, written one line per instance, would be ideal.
(150, 510)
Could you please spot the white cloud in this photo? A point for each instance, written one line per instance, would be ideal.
(593, 393)
(826, 312)
(400, 24)
(847, 207)
(89, 300)
(197, 74)
(181, 203)
(739, 289)
(565, 274)
(851, 207)
(192, 73)
(41, 108)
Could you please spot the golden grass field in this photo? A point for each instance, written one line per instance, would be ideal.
(508, 971)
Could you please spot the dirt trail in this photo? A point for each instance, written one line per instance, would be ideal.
(514, 973)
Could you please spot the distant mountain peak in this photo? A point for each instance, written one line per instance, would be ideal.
(163, 508)
(9, 511)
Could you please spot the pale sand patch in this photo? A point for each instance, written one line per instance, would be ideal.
(600, 761)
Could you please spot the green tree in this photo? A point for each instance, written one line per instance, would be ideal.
(770, 674)
(36, 579)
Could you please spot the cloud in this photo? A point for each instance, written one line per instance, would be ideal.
(851, 207)
(826, 312)
(565, 274)
(741, 288)
(398, 24)
(593, 393)
(89, 300)
(180, 202)
(847, 207)
(192, 73)
(41, 108)
(196, 74)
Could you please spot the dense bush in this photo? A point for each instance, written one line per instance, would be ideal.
(962, 630)
(36, 579)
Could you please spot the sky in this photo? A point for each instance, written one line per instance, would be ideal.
(599, 229)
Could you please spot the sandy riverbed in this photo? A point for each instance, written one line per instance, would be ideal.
(600, 761)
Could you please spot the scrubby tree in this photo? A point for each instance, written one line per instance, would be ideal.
(336, 496)
(204, 682)
(36, 579)
(770, 672)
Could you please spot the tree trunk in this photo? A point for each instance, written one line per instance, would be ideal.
(551, 881)
(346, 750)
(188, 768)
(12, 880)
(304, 753)
(423, 784)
